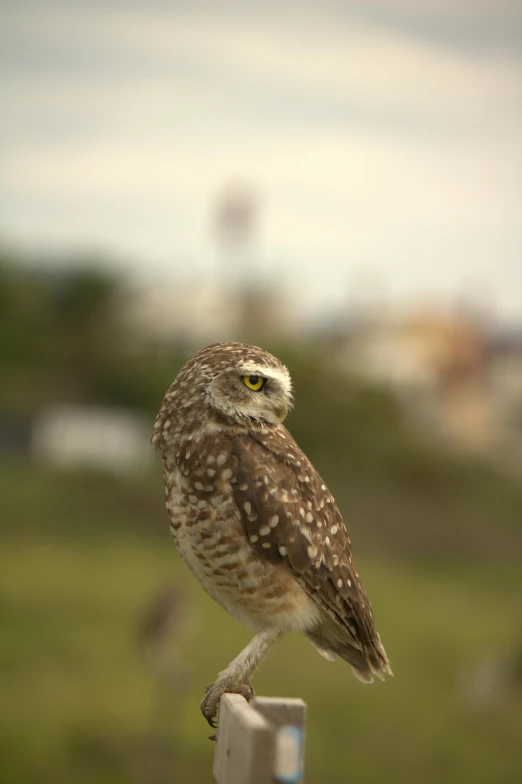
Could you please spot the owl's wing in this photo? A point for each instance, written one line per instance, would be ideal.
(292, 520)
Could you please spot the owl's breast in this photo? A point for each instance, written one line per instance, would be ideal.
(210, 537)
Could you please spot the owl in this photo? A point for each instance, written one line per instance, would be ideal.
(254, 521)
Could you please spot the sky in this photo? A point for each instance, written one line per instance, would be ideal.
(382, 139)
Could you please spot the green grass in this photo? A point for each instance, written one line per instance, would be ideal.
(82, 556)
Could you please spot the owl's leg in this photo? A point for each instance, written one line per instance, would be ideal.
(236, 677)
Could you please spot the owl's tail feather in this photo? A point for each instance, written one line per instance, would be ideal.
(365, 663)
(375, 664)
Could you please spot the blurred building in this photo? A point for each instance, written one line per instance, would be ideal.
(505, 384)
(416, 350)
(101, 438)
(448, 371)
(188, 314)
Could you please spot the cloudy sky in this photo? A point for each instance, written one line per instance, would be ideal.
(383, 138)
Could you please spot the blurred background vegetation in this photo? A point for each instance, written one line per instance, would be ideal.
(106, 641)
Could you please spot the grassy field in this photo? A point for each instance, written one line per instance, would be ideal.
(83, 555)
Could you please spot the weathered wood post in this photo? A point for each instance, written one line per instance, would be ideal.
(261, 742)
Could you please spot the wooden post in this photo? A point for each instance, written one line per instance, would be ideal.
(261, 742)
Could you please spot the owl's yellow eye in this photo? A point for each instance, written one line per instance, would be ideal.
(254, 382)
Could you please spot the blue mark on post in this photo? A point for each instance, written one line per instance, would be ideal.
(289, 754)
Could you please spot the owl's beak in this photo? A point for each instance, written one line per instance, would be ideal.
(281, 413)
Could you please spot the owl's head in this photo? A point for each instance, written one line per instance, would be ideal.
(246, 383)
(224, 384)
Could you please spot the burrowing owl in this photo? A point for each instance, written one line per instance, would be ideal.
(252, 518)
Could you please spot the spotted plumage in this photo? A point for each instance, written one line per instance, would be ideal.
(253, 519)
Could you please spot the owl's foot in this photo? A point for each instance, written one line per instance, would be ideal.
(213, 693)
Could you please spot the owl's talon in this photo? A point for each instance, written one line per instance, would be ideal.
(213, 693)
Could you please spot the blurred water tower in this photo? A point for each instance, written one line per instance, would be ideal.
(236, 215)
(258, 302)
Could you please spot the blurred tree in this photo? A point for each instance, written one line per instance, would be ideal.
(57, 331)
(22, 308)
(84, 329)
(25, 336)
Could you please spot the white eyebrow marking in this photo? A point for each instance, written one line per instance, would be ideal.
(281, 375)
